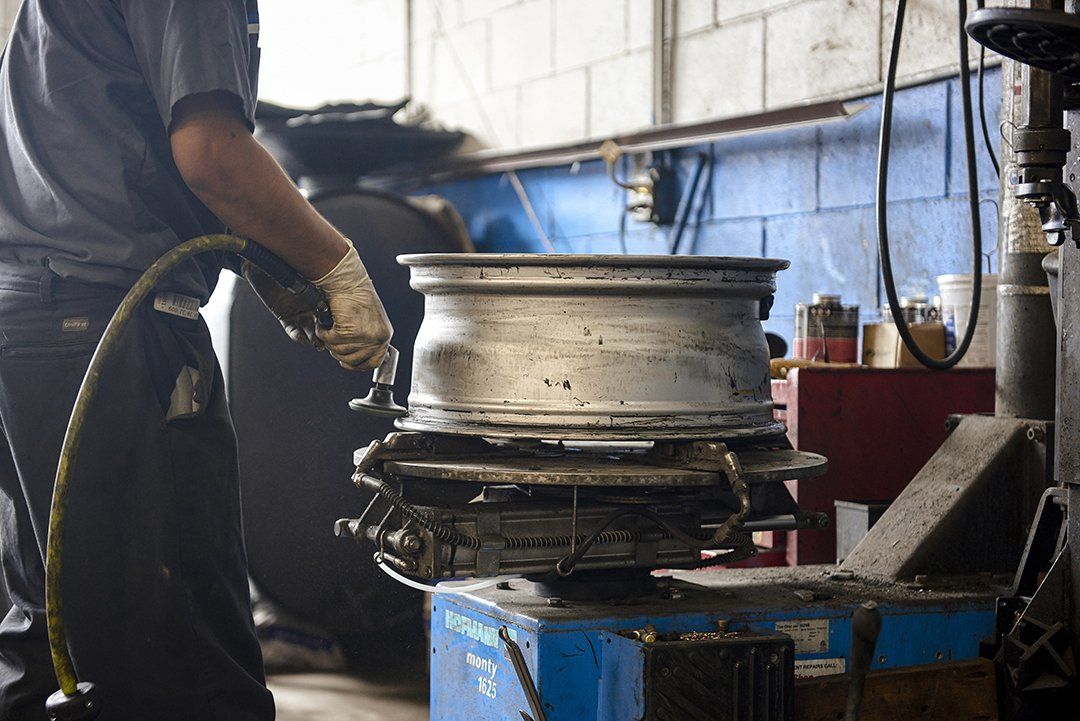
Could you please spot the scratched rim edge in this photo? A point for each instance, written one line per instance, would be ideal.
(598, 260)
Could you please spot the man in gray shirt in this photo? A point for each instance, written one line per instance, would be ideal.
(125, 129)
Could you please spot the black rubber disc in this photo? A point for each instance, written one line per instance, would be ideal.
(1045, 39)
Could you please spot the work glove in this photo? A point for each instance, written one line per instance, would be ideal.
(362, 331)
(295, 315)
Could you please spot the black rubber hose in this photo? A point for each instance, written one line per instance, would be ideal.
(982, 114)
(973, 190)
(69, 698)
(743, 550)
(982, 104)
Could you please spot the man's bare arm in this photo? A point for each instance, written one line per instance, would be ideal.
(244, 186)
(238, 179)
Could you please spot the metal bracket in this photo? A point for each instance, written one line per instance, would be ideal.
(517, 659)
(489, 529)
(1057, 209)
(1037, 652)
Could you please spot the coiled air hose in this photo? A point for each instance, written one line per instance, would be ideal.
(77, 700)
(973, 196)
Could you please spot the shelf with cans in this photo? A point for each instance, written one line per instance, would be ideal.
(827, 330)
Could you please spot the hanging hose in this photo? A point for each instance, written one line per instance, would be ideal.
(973, 191)
(982, 104)
(75, 700)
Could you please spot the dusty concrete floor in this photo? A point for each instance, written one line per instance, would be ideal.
(329, 697)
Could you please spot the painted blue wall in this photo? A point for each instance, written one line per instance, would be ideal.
(804, 194)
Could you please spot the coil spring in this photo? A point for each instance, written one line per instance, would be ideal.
(452, 536)
(740, 539)
(437, 529)
(607, 537)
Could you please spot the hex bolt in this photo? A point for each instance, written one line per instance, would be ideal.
(555, 602)
(1036, 434)
(411, 544)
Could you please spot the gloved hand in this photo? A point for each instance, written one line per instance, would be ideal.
(362, 331)
(295, 316)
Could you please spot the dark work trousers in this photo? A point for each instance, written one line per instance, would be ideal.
(155, 588)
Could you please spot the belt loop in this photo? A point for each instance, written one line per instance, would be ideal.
(45, 285)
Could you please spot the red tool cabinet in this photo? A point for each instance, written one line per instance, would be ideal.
(877, 427)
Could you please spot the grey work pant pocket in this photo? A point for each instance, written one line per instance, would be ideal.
(184, 366)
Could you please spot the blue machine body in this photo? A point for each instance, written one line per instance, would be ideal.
(586, 670)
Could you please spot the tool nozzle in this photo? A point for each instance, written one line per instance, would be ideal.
(380, 400)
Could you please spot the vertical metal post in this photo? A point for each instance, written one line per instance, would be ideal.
(1025, 323)
(663, 19)
(1067, 423)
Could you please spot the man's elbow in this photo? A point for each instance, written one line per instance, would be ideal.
(207, 165)
(211, 144)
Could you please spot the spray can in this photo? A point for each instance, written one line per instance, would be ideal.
(914, 309)
(827, 330)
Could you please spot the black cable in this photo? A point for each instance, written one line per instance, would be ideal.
(743, 550)
(973, 189)
(982, 112)
(980, 4)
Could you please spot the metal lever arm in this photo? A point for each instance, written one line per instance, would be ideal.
(517, 658)
(865, 628)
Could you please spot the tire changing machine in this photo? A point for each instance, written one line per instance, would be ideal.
(945, 576)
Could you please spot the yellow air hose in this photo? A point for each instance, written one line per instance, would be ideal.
(77, 700)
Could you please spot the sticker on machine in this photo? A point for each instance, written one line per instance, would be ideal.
(812, 667)
(811, 635)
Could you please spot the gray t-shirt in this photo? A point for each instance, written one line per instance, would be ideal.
(88, 185)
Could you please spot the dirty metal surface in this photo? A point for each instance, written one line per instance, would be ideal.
(570, 347)
(587, 670)
(764, 590)
(966, 511)
(602, 470)
(732, 677)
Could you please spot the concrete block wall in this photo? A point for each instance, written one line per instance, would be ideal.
(563, 70)
(804, 194)
(519, 73)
